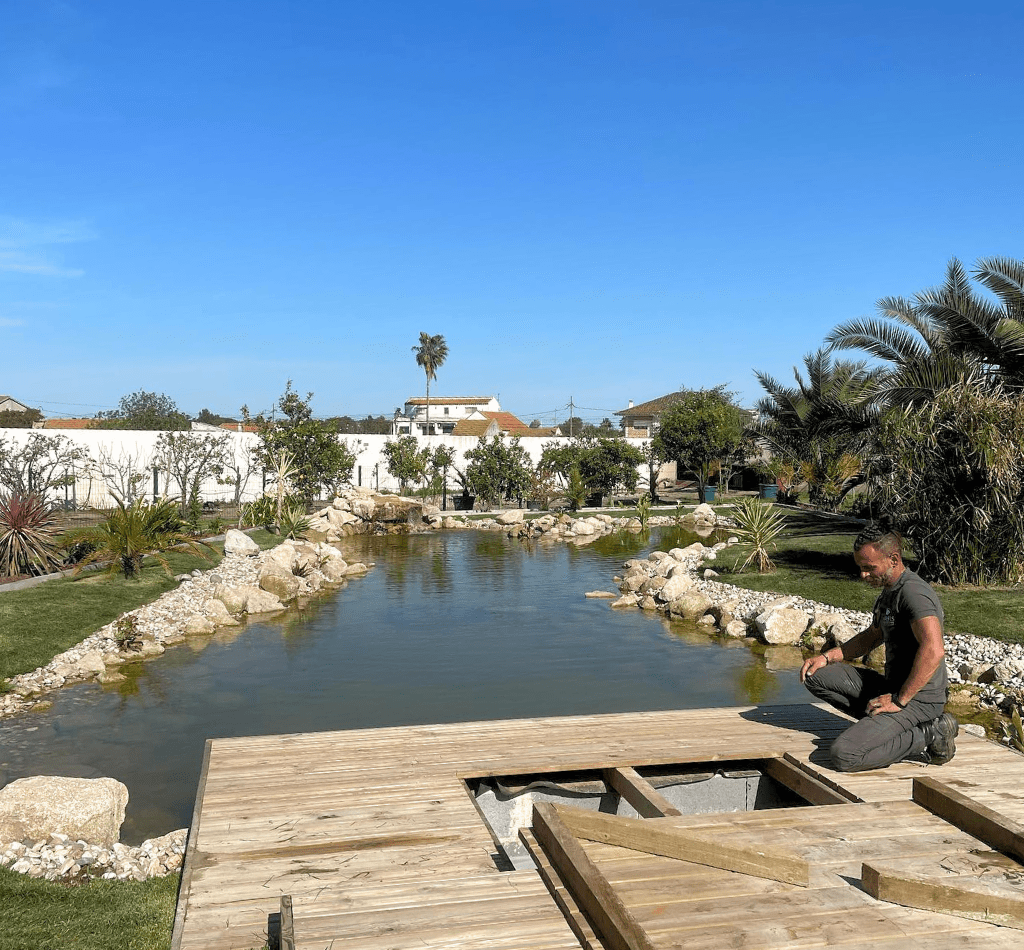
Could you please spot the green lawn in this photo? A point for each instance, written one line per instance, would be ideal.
(814, 559)
(38, 623)
(101, 915)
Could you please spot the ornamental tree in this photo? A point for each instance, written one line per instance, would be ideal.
(698, 431)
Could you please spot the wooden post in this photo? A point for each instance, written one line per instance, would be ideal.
(614, 924)
(997, 831)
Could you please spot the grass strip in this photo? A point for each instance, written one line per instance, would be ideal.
(38, 623)
(814, 559)
(99, 915)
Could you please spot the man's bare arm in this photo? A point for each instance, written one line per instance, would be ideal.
(860, 645)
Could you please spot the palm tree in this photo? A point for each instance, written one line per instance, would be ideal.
(822, 426)
(430, 354)
(946, 334)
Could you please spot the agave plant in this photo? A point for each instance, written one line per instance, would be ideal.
(759, 525)
(133, 531)
(258, 513)
(28, 541)
(1013, 732)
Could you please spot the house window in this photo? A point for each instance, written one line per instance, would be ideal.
(446, 410)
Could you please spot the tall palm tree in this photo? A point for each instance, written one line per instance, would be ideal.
(430, 354)
(946, 333)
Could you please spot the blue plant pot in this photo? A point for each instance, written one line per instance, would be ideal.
(709, 492)
(769, 491)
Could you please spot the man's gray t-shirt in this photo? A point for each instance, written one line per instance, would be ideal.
(909, 599)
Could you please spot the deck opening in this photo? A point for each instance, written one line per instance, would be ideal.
(505, 802)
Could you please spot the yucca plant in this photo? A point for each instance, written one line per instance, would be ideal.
(759, 524)
(258, 513)
(1013, 731)
(28, 539)
(130, 532)
(294, 522)
(643, 509)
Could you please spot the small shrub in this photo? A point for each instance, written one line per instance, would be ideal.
(28, 539)
(126, 634)
(759, 524)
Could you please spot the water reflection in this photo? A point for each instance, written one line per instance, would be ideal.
(448, 627)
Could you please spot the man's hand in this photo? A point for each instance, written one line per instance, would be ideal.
(812, 666)
(882, 704)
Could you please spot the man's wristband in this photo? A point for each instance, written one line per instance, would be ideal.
(896, 702)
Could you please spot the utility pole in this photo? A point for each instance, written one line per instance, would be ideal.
(570, 417)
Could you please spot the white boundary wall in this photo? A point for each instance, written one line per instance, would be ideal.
(369, 471)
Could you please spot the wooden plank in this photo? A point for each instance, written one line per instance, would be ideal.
(190, 859)
(287, 941)
(985, 898)
(655, 836)
(615, 925)
(647, 800)
(786, 772)
(561, 895)
(996, 830)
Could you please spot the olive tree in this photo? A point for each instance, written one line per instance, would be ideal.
(498, 469)
(405, 460)
(39, 464)
(321, 460)
(188, 458)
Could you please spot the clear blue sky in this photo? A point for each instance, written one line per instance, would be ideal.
(588, 199)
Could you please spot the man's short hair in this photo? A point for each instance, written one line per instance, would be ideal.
(882, 535)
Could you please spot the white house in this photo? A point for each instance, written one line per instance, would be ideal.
(445, 412)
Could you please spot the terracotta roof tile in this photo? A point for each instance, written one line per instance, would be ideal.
(69, 423)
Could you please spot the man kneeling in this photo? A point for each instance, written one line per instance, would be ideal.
(901, 713)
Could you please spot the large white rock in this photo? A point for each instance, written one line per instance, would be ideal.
(281, 584)
(83, 809)
(704, 514)
(218, 614)
(231, 596)
(690, 606)
(513, 516)
(781, 625)
(334, 569)
(676, 586)
(238, 542)
(261, 601)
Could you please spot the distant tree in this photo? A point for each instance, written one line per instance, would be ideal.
(497, 469)
(405, 460)
(212, 419)
(575, 426)
(371, 425)
(39, 463)
(321, 460)
(19, 419)
(698, 431)
(143, 410)
(430, 354)
(188, 458)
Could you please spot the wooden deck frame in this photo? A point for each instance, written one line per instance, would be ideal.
(307, 804)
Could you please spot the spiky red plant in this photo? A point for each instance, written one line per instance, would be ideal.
(28, 541)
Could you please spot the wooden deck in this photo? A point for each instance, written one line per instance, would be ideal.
(376, 839)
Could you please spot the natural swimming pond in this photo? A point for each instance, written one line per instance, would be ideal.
(449, 626)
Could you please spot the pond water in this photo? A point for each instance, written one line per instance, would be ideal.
(449, 626)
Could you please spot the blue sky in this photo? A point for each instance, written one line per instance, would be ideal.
(597, 200)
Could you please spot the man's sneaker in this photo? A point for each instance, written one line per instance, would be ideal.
(941, 734)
